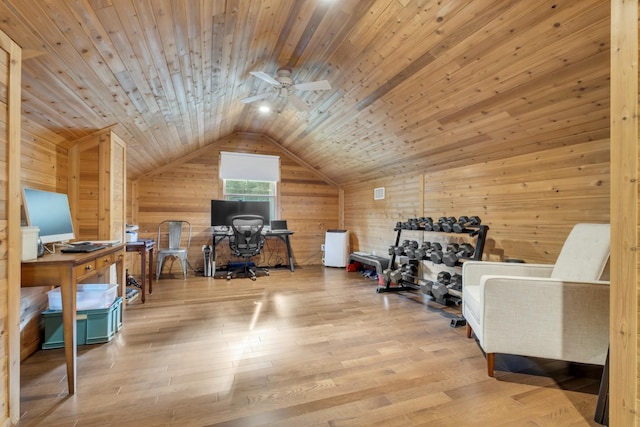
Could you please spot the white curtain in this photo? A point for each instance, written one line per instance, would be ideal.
(251, 167)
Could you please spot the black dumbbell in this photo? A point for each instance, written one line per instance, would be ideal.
(456, 282)
(439, 292)
(435, 246)
(421, 252)
(447, 226)
(428, 224)
(444, 277)
(457, 252)
(466, 250)
(466, 221)
(450, 257)
(395, 276)
(411, 249)
(414, 224)
(439, 288)
(408, 272)
(426, 287)
(437, 226)
(424, 221)
(436, 253)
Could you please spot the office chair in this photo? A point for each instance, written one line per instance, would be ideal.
(247, 241)
(172, 237)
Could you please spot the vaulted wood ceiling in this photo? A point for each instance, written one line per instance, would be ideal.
(416, 84)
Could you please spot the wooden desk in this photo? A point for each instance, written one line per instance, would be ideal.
(66, 270)
(282, 235)
(144, 246)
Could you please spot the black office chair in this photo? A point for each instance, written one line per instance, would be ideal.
(247, 241)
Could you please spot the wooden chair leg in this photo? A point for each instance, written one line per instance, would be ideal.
(469, 330)
(491, 359)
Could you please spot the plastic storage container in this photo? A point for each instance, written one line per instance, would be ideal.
(92, 326)
(89, 296)
(29, 242)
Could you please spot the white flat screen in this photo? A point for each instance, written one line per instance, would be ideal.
(50, 212)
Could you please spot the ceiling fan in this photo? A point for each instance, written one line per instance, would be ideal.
(285, 87)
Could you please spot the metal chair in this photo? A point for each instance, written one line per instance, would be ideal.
(247, 241)
(172, 236)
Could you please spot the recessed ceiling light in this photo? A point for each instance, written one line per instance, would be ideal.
(264, 108)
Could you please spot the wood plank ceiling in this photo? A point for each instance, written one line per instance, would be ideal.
(417, 85)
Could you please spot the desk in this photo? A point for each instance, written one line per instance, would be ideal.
(219, 236)
(66, 270)
(144, 247)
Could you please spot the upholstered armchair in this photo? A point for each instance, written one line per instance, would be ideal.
(558, 311)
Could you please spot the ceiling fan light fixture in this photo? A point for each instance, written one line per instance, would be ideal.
(285, 88)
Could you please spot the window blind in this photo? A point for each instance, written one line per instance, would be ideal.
(250, 167)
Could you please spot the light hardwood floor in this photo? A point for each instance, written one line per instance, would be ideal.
(317, 347)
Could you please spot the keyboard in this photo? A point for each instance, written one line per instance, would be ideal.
(278, 232)
(81, 248)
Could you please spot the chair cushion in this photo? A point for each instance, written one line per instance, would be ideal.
(584, 254)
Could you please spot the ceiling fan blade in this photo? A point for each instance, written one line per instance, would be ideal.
(319, 85)
(266, 77)
(298, 103)
(256, 97)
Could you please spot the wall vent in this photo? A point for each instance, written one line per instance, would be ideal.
(378, 193)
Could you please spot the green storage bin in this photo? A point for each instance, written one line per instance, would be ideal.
(92, 326)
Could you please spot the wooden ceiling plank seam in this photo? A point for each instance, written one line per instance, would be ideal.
(73, 89)
(496, 66)
(87, 98)
(310, 28)
(142, 63)
(129, 41)
(103, 65)
(158, 26)
(163, 88)
(533, 84)
(470, 27)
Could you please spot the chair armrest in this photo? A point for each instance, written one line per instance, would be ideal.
(472, 271)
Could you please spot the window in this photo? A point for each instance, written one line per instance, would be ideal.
(250, 177)
(252, 191)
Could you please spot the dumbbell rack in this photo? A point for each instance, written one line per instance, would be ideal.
(479, 232)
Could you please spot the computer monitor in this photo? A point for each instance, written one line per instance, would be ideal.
(222, 211)
(50, 212)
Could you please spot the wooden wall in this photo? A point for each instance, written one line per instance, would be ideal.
(530, 201)
(44, 166)
(183, 190)
(10, 237)
(97, 179)
(624, 372)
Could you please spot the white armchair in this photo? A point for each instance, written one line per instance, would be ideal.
(556, 311)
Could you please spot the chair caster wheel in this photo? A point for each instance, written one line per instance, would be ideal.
(253, 278)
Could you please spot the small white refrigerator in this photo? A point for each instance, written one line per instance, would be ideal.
(336, 248)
